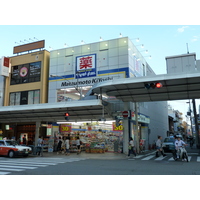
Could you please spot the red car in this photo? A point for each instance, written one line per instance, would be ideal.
(11, 149)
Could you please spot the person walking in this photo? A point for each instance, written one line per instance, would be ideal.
(159, 147)
(78, 145)
(39, 146)
(59, 145)
(67, 146)
(131, 147)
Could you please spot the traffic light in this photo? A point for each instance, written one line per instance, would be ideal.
(153, 85)
(67, 116)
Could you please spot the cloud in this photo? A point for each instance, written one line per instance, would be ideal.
(182, 29)
(195, 38)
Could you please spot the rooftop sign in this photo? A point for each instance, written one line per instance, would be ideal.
(29, 46)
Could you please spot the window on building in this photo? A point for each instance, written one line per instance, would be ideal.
(25, 97)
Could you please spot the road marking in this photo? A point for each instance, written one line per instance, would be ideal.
(148, 158)
(189, 158)
(15, 166)
(140, 156)
(198, 159)
(160, 158)
(4, 173)
(30, 164)
(43, 163)
(6, 169)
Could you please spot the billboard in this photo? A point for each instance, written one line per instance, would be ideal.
(29, 47)
(5, 66)
(85, 66)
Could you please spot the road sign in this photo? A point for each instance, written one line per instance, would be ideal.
(125, 113)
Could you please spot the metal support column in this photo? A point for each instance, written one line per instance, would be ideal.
(136, 127)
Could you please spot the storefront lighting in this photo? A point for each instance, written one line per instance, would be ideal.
(101, 39)
(124, 41)
(141, 46)
(129, 49)
(120, 35)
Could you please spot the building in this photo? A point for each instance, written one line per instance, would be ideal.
(74, 70)
(27, 84)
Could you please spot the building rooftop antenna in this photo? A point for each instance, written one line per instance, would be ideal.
(187, 48)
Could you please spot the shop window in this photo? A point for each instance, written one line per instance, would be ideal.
(25, 97)
(71, 94)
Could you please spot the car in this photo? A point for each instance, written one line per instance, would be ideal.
(169, 143)
(11, 149)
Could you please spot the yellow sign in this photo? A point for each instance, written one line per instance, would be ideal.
(117, 128)
(65, 128)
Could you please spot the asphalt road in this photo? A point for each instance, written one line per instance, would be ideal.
(80, 165)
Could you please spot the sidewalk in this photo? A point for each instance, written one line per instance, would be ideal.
(106, 155)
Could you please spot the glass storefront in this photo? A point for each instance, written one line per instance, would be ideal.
(71, 94)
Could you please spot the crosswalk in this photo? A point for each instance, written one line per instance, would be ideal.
(168, 157)
(8, 166)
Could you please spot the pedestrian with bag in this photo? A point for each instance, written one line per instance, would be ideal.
(131, 148)
(159, 147)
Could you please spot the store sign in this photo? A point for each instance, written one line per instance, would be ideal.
(28, 47)
(66, 128)
(86, 66)
(49, 129)
(85, 82)
(117, 128)
(142, 118)
(5, 66)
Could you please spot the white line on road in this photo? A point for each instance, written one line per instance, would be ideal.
(29, 164)
(6, 169)
(14, 166)
(140, 156)
(4, 173)
(148, 158)
(198, 159)
(160, 158)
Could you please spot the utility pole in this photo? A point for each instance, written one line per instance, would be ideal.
(196, 124)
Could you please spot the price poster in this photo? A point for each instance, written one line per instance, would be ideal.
(117, 128)
(65, 128)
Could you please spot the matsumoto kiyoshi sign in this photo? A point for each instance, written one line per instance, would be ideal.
(86, 82)
(86, 66)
